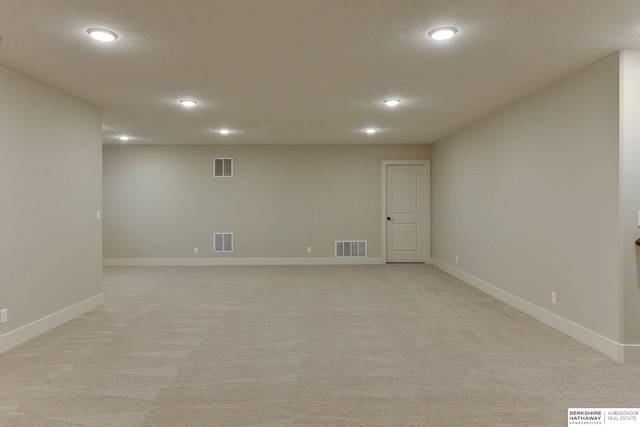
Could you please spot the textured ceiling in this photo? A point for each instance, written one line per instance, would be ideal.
(306, 71)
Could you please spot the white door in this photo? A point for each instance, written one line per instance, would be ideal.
(406, 214)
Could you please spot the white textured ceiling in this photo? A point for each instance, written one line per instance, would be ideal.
(306, 71)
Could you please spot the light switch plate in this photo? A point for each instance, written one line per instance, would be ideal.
(3, 316)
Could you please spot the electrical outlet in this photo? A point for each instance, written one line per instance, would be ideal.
(456, 259)
(3, 316)
(98, 216)
(553, 297)
(195, 251)
(308, 249)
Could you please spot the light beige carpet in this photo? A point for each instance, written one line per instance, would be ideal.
(401, 345)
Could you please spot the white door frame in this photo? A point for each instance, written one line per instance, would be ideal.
(383, 213)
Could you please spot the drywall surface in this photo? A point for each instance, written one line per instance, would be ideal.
(527, 199)
(163, 201)
(50, 185)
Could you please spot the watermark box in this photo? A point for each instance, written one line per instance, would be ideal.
(627, 417)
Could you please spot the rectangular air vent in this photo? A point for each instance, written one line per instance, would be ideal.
(222, 242)
(351, 249)
(223, 168)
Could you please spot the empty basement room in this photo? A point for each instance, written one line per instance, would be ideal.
(319, 213)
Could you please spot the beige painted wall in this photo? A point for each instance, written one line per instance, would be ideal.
(50, 189)
(162, 201)
(527, 198)
(630, 195)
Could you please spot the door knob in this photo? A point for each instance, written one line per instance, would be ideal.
(388, 218)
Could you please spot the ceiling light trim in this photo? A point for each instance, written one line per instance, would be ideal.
(100, 34)
(188, 103)
(443, 33)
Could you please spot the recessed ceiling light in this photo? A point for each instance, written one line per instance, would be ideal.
(102, 35)
(124, 137)
(443, 33)
(392, 102)
(188, 103)
(224, 131)
(371, 130)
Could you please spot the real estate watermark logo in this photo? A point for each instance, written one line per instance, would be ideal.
(627, 417)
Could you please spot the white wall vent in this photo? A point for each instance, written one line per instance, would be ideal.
(351, 249)
(223, 168)
(222, 242)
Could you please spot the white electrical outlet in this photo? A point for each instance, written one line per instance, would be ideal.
(456, 259)
(308, 249)
(195, 251)
(3, 316)
(553, 297)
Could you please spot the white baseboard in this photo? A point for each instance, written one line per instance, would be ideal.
(110, 262)
(604, 345)
(25, 333)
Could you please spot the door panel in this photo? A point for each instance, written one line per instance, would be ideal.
(405, 237)
(405, 187)
(406, 213)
